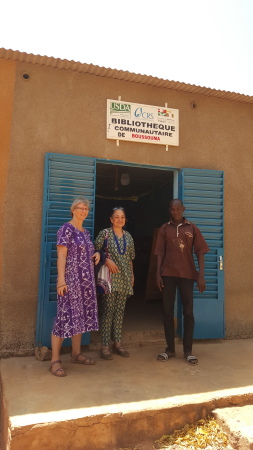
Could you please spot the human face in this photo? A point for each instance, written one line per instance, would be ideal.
(176, 211)
(118, 218)
(81, 211)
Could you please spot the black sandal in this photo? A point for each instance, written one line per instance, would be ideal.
(120, 351)
(165, 356)
(105, 354)
(192, 360)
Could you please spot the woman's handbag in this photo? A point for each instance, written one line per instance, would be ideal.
(103, 277)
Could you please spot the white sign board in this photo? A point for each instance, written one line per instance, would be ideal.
(142, 123)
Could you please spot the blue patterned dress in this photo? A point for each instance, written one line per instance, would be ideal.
(121, 281)
(77, 309)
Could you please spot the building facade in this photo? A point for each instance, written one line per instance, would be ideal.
(53, 118)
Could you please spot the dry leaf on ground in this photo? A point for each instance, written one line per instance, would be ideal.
(204, 434)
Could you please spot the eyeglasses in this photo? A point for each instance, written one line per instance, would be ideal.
(118, 207)
(82, 209)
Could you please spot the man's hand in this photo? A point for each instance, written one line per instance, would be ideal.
(201, 284)
(159, 282)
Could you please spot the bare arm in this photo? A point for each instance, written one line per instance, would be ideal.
(201, 280)
(159, 280)
(61, 266)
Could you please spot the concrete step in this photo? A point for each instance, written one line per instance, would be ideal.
(133, 339)
(237, 423)
(124, 402)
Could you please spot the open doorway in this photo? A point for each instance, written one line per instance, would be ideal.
(145, 194)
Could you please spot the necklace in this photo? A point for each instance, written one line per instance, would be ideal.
(121, 252)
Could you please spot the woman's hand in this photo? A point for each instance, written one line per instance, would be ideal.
(96, 257)
(62, 288)
(111, 266)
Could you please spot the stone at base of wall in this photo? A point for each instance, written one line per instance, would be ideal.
(42, 353)
(7, 353)
(131, 340)
(12, 345)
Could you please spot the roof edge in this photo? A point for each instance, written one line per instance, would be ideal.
(64, 64)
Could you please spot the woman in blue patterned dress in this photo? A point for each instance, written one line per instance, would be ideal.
(76, 288)
(121, 252)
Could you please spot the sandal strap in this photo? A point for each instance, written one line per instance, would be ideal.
(192, 360)
(120, 348)
(56, 362)
(57, 370)
(76, 356)
(164, 355)
(105, 351)
(191, 357)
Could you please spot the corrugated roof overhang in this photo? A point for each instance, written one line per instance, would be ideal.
(91, 69)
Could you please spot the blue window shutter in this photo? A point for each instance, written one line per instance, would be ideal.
(202, 192)
(66, 177)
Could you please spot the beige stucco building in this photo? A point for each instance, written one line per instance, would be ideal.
(53, 106)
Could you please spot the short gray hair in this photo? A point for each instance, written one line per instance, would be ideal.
(78, 200)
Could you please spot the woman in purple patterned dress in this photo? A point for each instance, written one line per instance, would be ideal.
(76, 289)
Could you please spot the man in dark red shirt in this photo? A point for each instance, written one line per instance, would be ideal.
(176, 242)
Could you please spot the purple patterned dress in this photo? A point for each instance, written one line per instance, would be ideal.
(77, 309)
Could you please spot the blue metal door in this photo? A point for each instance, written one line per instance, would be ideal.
(202, 194)
(65, 178)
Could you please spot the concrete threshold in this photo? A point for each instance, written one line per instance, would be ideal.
(134, 339)
(123, 402)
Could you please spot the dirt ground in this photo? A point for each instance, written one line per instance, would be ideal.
(204, 434)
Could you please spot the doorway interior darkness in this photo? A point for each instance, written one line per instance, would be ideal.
(145, 194)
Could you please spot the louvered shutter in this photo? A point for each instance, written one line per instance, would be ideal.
(202, 192)
(66, 177)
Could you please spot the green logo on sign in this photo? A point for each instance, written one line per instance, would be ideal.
(120, 108)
